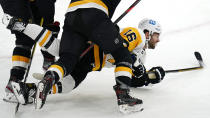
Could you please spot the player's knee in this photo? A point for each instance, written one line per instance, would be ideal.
(122, 54)
(22, 39)
(67, 61)
(123, 70)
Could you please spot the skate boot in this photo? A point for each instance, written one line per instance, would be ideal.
(23, 92)
(43, 88)
(10, 96)
(126, 103)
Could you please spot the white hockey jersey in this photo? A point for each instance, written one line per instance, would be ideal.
(136, 42)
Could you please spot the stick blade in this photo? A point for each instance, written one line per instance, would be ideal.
(199, 58)
(17, 108)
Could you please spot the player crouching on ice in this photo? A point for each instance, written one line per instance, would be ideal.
(136, 42)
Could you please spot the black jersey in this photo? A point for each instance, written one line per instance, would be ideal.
(108, 6)
(112, 5)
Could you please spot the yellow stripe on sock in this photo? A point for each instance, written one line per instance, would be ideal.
(59, 68)
(45, 38)
(20, 58)
(117, 69)
(54, 89)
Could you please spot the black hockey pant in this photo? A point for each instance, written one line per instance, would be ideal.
(93, 25)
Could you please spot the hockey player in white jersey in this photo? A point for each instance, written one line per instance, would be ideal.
(135, 42)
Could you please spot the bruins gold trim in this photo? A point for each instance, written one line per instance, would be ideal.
(54, 89)
(59, 68)
(20, 58)
(99, 2)
(117, 69)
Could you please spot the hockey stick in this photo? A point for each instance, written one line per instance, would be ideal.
(198, 56)
(200, 61)
(27, 72)
(115, 22)
(29, 66)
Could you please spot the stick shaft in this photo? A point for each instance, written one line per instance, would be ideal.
(127, 11)
(183, 70)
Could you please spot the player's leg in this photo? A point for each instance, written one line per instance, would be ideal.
(102, 31)
(72, 44)
(43, 14)
(21, 52)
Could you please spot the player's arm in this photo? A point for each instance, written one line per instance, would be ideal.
(44, 37)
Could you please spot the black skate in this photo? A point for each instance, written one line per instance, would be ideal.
(126, 103)
(43, 89)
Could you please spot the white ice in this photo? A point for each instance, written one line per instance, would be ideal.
(186, 28)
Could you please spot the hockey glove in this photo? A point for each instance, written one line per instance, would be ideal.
(138, 67)
(139, 71)
(55, 28)
(156, 75)
(13, 23)
(139, 82)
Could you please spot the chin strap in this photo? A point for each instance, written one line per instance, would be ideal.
(147, 43)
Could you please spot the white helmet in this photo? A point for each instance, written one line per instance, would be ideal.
(151, 25)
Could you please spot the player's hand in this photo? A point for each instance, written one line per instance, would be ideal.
(13, 23)
(139, 70)
(156, 75)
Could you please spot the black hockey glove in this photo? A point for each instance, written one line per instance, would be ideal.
(156, 75)
(139, 82)
(55, 28)
(16, 24)
(139, 71)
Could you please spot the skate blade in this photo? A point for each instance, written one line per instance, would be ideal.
(126, 109)
(10, 98)
(16, 90)
(38, 100)
(10, 101)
